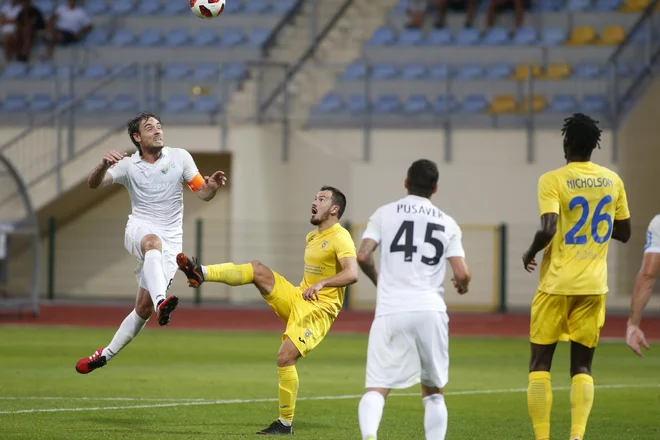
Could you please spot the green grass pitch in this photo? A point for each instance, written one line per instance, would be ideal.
(219, 385)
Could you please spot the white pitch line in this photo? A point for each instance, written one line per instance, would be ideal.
(344, 397)
(111, 399)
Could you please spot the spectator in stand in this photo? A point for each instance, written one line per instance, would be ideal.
(8, 13)
(495, 6)
(69, 24)
(417, 11)
(28, 23)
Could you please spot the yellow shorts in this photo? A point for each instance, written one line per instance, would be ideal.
(306, 324)
(578, 318)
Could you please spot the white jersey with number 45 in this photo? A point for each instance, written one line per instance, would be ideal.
(415, 238)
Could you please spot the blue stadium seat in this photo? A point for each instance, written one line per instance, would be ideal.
(382, 37)
(177, 37)
(123, 102)
(150, 37)
(15, 70)
(206, 72)
(96, 103)
(283, 6)
(387, 104)
(578, 5)
(554, 37)
(235, 7)
(205, 37)
(94, 71)
(548, 5)
(235, 71)
(608, 5)
(474, 104)
(257, 7)
(330, 103)
(525, 36)
(468, 37)
(439, 37)
(41, 71)
(176, 70)
(357, 104)
(147, 7)
(175, 8)
(410, 37)
(587, 70)
(98, 7)
(123, 37)
(127, 71)
(62, 101)
(439, 71)
(414, 71)
(122, 7)
(231, 38)
(355, 70)
(41, 102)
(384, 71)
(416, 104)
(206, 104)
(64, 71)
(46, 7)
(257, 37)
(499, 71)
(177, 103)
(562, 104)
(470, 71)
(496, 37)
(444, 104)
(97, 37)
(594, 103)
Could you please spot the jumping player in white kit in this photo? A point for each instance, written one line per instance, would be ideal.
(154, 177)
(409, 341)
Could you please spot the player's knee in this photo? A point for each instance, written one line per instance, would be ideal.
(144, 311)
(539, 364)
(580, 369)
(429, 391)
(286, 358)
(150, 242)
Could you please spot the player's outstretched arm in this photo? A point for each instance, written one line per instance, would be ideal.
(365, 258)
(621, 230)
(211, 186)
(542, 238)
(462, 275)
(643, 286)
(347, 276)
(100, 177)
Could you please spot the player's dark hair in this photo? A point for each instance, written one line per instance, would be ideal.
(338, 198)
(581, 135)
(422, 178)
(134, 126)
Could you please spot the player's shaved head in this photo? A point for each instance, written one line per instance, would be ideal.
(422, 179)
(581, 136)
(134, 126)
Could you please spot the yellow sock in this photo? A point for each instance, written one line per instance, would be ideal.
(582, 398)
(288, 391)
(539, 403)
(230, 273)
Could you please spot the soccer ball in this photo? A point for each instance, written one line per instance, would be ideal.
(207, 8)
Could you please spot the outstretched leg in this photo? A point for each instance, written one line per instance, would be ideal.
(539, 390)
(154, 279)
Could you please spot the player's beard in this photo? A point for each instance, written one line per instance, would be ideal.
(319, 218)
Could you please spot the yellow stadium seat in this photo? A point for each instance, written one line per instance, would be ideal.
(538, 103)
(524, 70)
(612, 35)
(503, 104)
(557, 71)
(634, 5)
(581, 36)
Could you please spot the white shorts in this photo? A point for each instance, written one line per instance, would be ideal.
(408, 348)
(136, 230)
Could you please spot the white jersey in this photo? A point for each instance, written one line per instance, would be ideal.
(416, 238)
(156, 190)
(653, 236)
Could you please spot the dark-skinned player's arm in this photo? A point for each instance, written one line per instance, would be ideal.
(347, 276)
(365, 258)
(548, 197)
(621, 228)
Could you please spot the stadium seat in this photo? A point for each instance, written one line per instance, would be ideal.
(410, 37)
(612, 35)
(15, 70)
(382, 37)
(503, 104)
(41, 71)
(496, 37)
(330, 103)
(206, 72)
(175, 8)
(387, 104)
(123, 102)
(177, 37)
(581, 36)
(257, 7)
(281, 6)
(416, 104)
(555, 71)
(97, 37)
(594, 103)
(587, 70)
(232, 38)
(468, 37)
(98, 7)
(553, 37)
(523, 72)
(474, 104)
(146, 7)
(439, 37)
(525, 36)
(235, 7)
(357, 104)
(439, 71)
(257, 37)
(206, 104)
(537, 104)
(562, 104)
(123, 37)
(414, 71)
(176, 71)
(205, 37)
(122, 7)
(150, 37)
(470, 71)
(235, 71)
(96, 103)
(384, 71)
(578, 5)
(499, 71)
(355, 70)
(41, 102)
(634, 5)
(548, 5)
(177, 103)
(444, 104)
(94, 71)
(607, 5)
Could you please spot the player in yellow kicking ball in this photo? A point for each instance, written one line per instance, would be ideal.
(308, 309)
(582, 207)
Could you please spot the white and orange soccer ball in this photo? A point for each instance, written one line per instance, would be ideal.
(207, 8)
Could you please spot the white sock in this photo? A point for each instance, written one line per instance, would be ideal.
(128, 329)
(370, 411)
(154, 277)
(435, 417)
(284, 422)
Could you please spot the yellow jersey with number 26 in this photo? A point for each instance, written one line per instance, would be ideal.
(587, 198)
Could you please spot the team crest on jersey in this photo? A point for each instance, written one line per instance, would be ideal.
(325, 242)
(165, 169)
(308, 333)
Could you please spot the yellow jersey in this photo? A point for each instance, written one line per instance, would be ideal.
(322, 255)
(587, 198)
